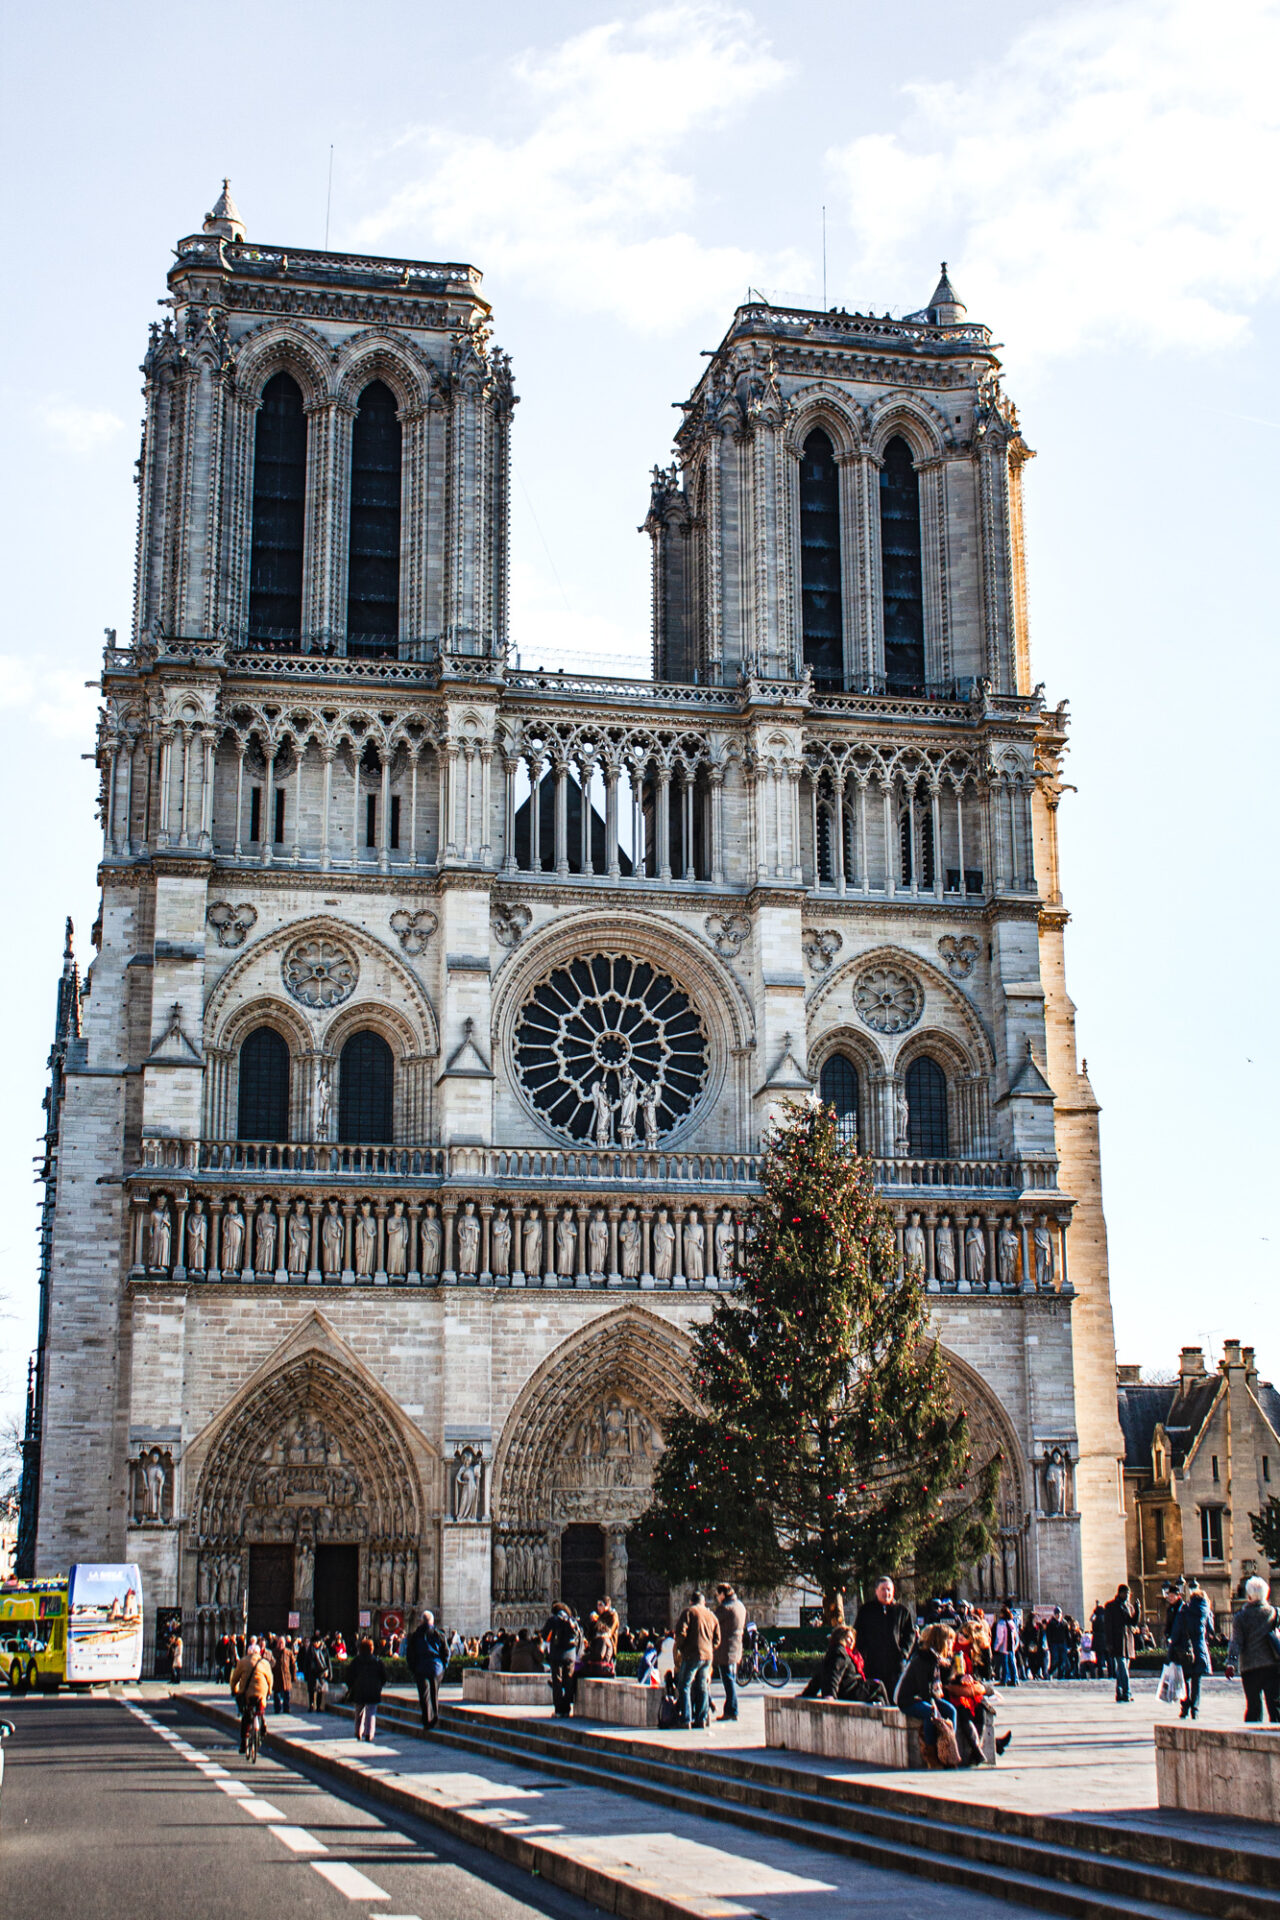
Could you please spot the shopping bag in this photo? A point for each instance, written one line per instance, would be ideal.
(1173, 1684)
(947, 1746)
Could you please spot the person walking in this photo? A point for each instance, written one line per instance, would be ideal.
(1005, 1642)
(286, 1672)
(427, 1658)
(731, 1616)
(175, 1657)
(697, 1638)
(1098, 1631)
(317, 1671)
(885, 1633)
(366, 1677)
(1254, 1652)
(1189, 1646)
(1122, 1618)
(562, 1639)
(1057, 1640)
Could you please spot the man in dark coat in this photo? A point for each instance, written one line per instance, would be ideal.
(427, 1657)
(562, 1638)
(732, 1616)
(1122, 1618)
(1101, 1653)
(885, 1634)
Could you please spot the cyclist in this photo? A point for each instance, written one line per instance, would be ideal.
(251, 1683)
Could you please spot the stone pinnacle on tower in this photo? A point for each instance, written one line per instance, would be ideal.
(225, 218)
(946, 309)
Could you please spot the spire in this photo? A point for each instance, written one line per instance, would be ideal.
(225, 218)
(67, 953)
(946, 309)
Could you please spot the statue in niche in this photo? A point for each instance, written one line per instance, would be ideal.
(913, 1248)
(197, 1238)
(533, 1244)
(305, 1569)
(500, 1242)
(598, 1243)
(649, 1102)
(264, 1255)
(1044, 1257)
(430, 1255)
(664, 1246)
(628, 1106)
(499, 1567)
(331, 1239)
(902, 1120)
(695, 1241)
(1055, 1482)
(160, 1237)
(725, 1251)
(299, 1238)
(397, 1242)
(153, 1472)
(630, 1245)
(468, 1240)
(566, 1244)
(232, 1239)
(366, 1240)
(975, 1254)
(603, 1112)
(324, 1103)
(1007, 1253)
(467, 1469)
(944, 1252)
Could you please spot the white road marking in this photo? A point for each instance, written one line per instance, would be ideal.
(236, 1788)
(348, 1880)
(298, 1840)
(261, 1810)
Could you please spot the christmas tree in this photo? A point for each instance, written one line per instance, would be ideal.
(825, 1449)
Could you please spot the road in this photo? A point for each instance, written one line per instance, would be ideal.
(138, 1810)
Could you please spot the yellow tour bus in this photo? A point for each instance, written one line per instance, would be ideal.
(83, 1628)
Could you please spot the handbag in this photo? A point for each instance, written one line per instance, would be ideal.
(1173, 1684)
(947, 1747)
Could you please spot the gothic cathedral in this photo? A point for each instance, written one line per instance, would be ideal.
(409, 1112)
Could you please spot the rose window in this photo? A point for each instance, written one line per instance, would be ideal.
(610, 1050)
(320, 972)
(888, 999)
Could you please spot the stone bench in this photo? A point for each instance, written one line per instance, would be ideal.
(480, 1688)
(618, 1703)
(846, 1730)
(1233, 1771)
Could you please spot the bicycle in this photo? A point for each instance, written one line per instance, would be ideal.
(763, 1662)
(253, 1736)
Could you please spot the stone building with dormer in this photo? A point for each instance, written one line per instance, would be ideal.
(439, 1007)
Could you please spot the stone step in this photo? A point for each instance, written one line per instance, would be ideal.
(1088, 1875)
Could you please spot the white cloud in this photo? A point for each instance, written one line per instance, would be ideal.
(80, 429)
(547, 633)
(1111, 178)
(586, 205)
(56, 699)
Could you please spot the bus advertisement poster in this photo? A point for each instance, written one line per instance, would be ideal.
(104, 1639)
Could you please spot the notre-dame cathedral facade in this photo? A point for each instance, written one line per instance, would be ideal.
(411, 1106)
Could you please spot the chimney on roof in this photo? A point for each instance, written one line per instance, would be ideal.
(1129, 1374)
(1191, 1366)
(1230, 1354)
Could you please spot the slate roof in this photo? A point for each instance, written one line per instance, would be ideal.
(1269, 1401)
(1142, 1405)
(1184, 1422)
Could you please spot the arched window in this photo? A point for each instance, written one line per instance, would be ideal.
(279, 510)
(926, 1110)
(263, 1112)
(821, 616)
(917, 860)
(900, 572)
(838, 1086)
(373, 563)
(366, 1079)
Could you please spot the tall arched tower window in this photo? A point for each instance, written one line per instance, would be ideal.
(279, 515)
(822, 619)
(901, 578)
(366, 1079)
(373, 564)
(263, 1112)
(838, 1086)
(926, 1110)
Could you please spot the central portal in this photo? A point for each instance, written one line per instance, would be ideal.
(582, 1568)
(270, 1588)
(337, 1591)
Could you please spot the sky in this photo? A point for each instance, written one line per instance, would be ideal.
(1101, 181)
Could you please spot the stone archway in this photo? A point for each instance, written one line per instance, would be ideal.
(309, 1485)
(1002, 1575)
(576, 1459)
